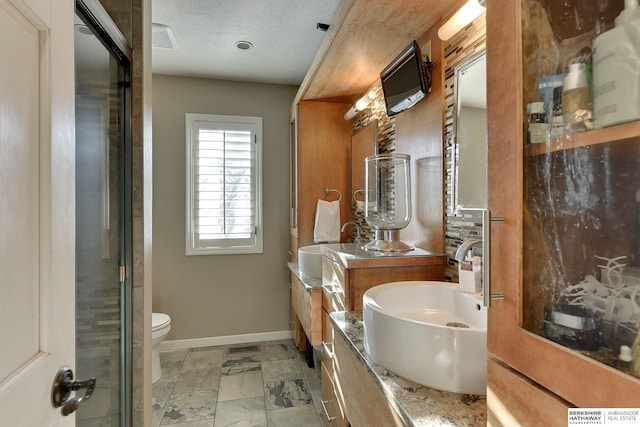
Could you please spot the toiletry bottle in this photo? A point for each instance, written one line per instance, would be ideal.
(537, 128)
(470, 274)
(556, 124)
(616, 70)
(625, 359)
(576, 100)
(546, 86)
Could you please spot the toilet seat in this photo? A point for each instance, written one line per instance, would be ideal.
(160, 326)
(159, 321)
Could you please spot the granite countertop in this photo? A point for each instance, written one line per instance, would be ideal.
(416, 404)
(311, 284)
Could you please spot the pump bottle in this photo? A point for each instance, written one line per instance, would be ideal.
(616, 70)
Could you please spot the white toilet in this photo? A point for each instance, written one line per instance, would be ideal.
(161, 325)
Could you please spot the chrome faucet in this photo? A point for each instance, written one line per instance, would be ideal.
(356, 226)
(466, 247)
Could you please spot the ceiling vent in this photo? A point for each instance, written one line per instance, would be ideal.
(163, 36)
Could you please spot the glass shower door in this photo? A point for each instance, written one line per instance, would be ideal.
(102, 227)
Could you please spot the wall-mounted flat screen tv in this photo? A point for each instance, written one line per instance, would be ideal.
(406, 80)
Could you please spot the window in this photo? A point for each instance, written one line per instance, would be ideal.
(224, 190)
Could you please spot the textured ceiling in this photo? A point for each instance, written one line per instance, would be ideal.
(283, 32)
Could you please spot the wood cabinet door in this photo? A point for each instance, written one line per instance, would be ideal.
(332, 412)
(573, 376)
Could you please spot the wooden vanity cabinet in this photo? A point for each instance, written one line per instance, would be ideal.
(529, 374)
(307, 306)
(349, 394)
(344, 379)
(333, 299)
(348, 278)
(332, 397)
(319, 159)
(364, 403)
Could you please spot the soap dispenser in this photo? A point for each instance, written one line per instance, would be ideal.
(616, 70)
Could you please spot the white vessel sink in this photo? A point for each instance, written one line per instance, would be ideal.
(429, 333)
(310, 261)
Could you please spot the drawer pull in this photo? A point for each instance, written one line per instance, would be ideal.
(324, 408)
(330, 289)
(327, 350)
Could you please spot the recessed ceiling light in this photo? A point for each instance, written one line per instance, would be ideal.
(244, 45)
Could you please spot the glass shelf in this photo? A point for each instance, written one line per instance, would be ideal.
(612, 134)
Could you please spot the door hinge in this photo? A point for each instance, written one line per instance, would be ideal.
(123, 273)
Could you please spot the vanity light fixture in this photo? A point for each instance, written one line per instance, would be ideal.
(360, 105)
(463, 17)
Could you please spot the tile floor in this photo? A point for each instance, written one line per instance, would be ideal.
(256, 384)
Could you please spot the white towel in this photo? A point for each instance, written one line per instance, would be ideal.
(327, 229)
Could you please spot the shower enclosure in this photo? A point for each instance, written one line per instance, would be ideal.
(103, 217)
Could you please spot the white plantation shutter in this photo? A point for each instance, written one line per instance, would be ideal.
(223, 184)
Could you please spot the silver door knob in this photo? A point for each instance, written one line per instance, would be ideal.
(63, 385)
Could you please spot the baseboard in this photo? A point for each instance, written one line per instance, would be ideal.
(224, 340)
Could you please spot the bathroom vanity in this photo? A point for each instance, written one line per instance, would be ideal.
(357, 390)
(347, 272)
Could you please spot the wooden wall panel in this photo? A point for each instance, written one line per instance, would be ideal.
(419, 133)
(323, 161)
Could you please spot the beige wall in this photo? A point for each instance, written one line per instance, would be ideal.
(218, 295)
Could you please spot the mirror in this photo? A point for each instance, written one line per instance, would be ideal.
(470, 127)
(363, 144)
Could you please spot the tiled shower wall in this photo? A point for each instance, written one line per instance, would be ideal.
(98, 311)
(458, 227)
(98, 302)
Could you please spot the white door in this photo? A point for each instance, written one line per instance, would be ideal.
(37, 283)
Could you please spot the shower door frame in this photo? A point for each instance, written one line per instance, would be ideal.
(103, 27)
